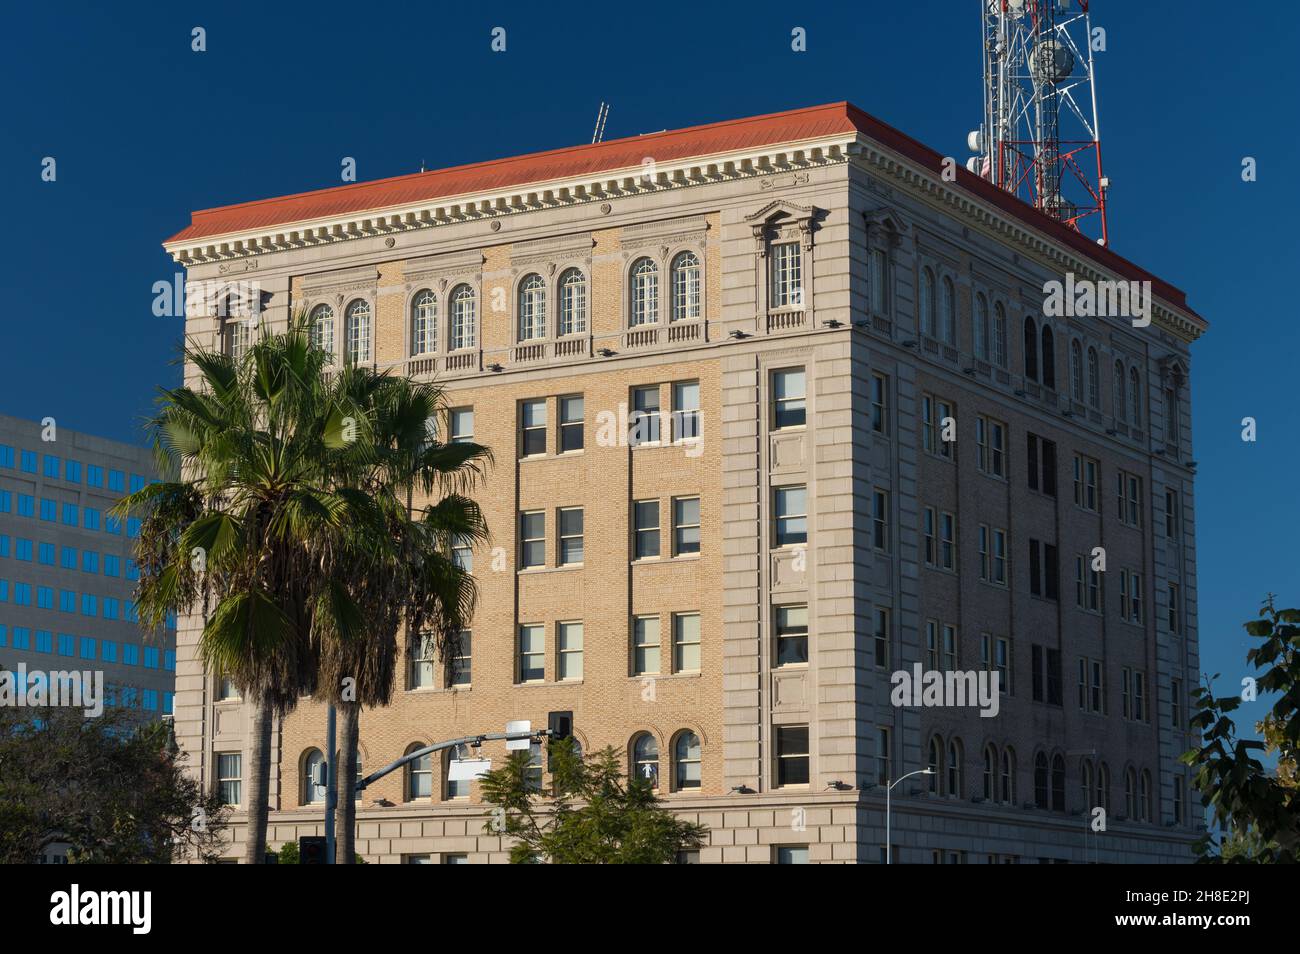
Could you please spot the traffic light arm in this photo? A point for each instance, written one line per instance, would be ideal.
(474, 740)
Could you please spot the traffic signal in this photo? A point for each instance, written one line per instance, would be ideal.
(311, 850)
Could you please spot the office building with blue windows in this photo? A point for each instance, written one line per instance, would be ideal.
(67, 573)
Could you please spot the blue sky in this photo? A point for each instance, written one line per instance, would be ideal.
(144, 130)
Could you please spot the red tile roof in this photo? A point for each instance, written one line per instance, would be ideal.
(588, 160)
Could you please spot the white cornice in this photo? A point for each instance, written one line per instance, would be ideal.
(552, 193)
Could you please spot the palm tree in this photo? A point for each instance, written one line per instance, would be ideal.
(288, 517)
(397, 561)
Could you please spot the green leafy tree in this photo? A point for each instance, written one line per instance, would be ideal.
(1259, 810)
(594, 814)
(113, 788)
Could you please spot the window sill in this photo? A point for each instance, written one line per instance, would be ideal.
(694, 674)
(539, 570)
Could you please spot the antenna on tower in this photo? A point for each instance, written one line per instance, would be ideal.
(601, 116)
(1040, 137)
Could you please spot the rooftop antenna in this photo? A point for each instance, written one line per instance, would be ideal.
(1040, 137)
(599, 134)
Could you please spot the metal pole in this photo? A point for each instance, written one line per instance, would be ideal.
(889, 849)
(331, 779)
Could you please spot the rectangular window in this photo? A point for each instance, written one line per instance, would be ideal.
(643, 422)
(116, 481)
(108, 651)
(6, 456)
(462, 553)
(420, 654)
(999, 557)
(89, 605)
(934, 414)
(72, 471)
(23, 550)
(1042, 465)
(1047, 675)
(569, 639)
(130, 654)
(883, 755)
(789, 398)
(45, 555)
(791, 854)
(1176, 704)
(791, 635)
(460, 661)
(1173, 609)
(686, 411)
(67, 601)
(686, 525)
(6, 501)
(1044, 572)
(686, 642)
(67, 644)
(792, 755)
(645, 645)
(112, 565)
(86, 647)
(990, 446)
(28, 460)
(929, 539)
(44, 597)
(50, 466)
(645, 529)
(571, 423)
(26, 505)
(570, 521)
(462, 425)
(791, 515)
(89, 561)
(1085, 482)
(533, 420)
(787, 280)
(94, 475)
(1171, 514)
(1002, 662)
(880, 520)
(947, 541)
(1129, 498)
(931, 644)
(881, 637)
(879, 403)
(228, 777)
(49, 510)
(4, 545)
(949, 647)
(532, 539)
(70, 514)
(532, 653)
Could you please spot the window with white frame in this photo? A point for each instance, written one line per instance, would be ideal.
(1128, 488)
(686, 525)
(789, 398)
(532, 653)
(532, 308)
(686, 642)
(1086, 470)
(792, 762)
(787, 275)
(645, 758)
(880, 403)
(419, 775)
(421, 662)
(321, 327)
(686, 305)
(949, 647)
(880, 520)
(790, 515)
(934, 413)
(571, 423)
(573, 302)
(645, 520)
(461, 421)
(686, 411)
(239, 337)
(460, 658)
(569, 638)
(571, 537)
(313, 792)
(229, 777)
(999, 335)
(532, 539)
(357, 327)
(455, 788)
(532, 423)
(424, 323)
(643, 422)
(644, 291)
(947, 540)
(791, 625)
(990, 446)
(645, 645)
(687, 761)
(464, 321)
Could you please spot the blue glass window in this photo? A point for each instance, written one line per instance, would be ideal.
(26, 505)
(23, 550)
(49, 510)
(50, 467)
(67, 645)
(6, 456)
(72, 471)
(45, 553)
(29, 461)
(151, 657)
(86, 647)
(90, 518)
(70, 514)
(112, 565)
(110, 607)
(116, 480)
(89, 561)
(130, 654)
(89, 604)
(94, 475)
(67, 601)
(68, 558)
(45, 597)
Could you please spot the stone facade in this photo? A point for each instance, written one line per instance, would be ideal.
(858, 213)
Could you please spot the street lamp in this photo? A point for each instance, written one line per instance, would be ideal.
(889, 788)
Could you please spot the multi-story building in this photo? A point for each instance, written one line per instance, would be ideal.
(67, 572)
(777, 412)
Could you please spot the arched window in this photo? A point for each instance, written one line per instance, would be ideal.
(1031, 349)
(1058, 783)
(1130, 794)
(424, 323)
(358, 332)
(926, 304)
(573, 302)
(1094, 379)
(1085, 784)
(1076, 371)
(981, 330)
(1103, 787)
(645, 758)
(956, 782)
(463, 319)
(419, 775)
(322, 329)
(686, 761)
(949, 312)
(1148, 810)
(1119, 399)
(644, 301)
(1135, 397)
(312, 793)
(686, 287)
(1041, 798)
(999, 335)
(878, 279)
(936, 765)
(1049, 358)
(1009, 775)
(990, 773)
(532, 308)
(454, 789)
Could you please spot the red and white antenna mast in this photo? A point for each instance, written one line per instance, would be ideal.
(1040, 137)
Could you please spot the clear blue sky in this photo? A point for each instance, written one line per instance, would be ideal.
(144, 130)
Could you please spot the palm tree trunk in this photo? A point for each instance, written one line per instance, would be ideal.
(345, 818)
(258, 799)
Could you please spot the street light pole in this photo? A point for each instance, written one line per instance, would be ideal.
(889, 788)
(331, 781)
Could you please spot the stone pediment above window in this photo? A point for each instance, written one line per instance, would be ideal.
(782, 220)
(1173, 371)
(326, 284)
(889, 222)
